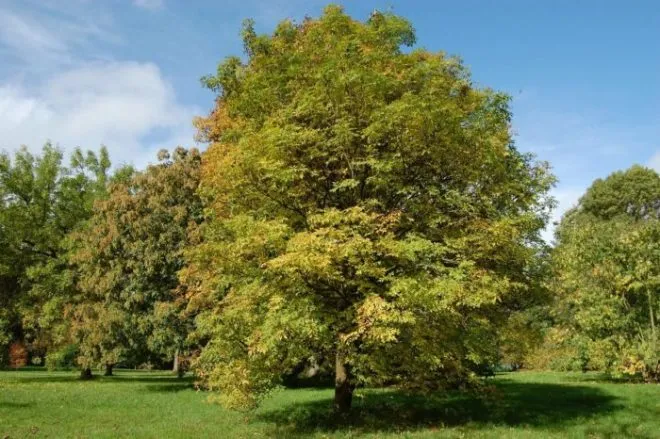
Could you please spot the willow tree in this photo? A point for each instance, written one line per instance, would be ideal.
(368, 208)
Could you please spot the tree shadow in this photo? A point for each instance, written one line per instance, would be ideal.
(605, 378)
(320, 381)
(171, 388)
(173, 380)
(15, 405)
(508, 403)
(47, 379)
(98, 378)
(24, 369)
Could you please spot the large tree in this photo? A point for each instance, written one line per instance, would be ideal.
(130, 308)
(607, 276)
(368, 208)
(41, 202)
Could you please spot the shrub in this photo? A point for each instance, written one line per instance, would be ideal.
(63, 358)
(18, 355)
(4, 356)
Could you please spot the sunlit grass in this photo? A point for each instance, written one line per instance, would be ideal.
(158, 405)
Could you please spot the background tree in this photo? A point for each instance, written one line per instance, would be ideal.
(528, 317)
(130, 308)
(633, 193)
(367, 208)
(606, 275)
(41, 202)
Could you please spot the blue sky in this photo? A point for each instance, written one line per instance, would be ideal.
(584, 75)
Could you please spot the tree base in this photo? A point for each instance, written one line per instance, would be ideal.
(343, 386)
(343, 400)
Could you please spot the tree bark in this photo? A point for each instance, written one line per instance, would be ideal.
(343, 385)
(654, 335)
(86, 374)
(108, 370)
(179, 366)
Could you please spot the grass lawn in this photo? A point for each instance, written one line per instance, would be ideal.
(39, 404)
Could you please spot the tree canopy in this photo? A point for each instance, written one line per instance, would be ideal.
(367, 209)
(606, 275)
(130, 307)
(633, 193)
(41, 203)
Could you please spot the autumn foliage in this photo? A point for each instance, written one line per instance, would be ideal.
(18, 355)
(367, 210)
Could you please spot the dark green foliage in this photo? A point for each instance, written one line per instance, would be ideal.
(62, 358)
(41, 202)
(130, 308)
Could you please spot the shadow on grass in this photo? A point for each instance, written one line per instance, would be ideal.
(46, 379)
(172, 380)
(15, 405)
(595, 377)
(510, 404)
(171, 388)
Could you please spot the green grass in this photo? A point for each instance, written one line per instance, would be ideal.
(38, 404)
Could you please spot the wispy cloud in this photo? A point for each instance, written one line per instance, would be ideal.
(37, 39)
(567, 198)
(152, 5)
(270, 12)
(553, 129)
(27, 38)
(582, 143)
(654, 162)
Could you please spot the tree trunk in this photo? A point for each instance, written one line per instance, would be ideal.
(108, 370)
(653, 370)
(654, 335)
(343, 385)
(179, 366)
(86, 374)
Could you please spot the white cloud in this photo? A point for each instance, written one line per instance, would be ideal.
(655, 161)
(60, 84)
(127, 106)
(149, 4)
(567, 198)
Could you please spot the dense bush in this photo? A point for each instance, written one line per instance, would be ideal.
(4, 356)
(63, 358)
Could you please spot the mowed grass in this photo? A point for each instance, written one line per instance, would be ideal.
(39, 404)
